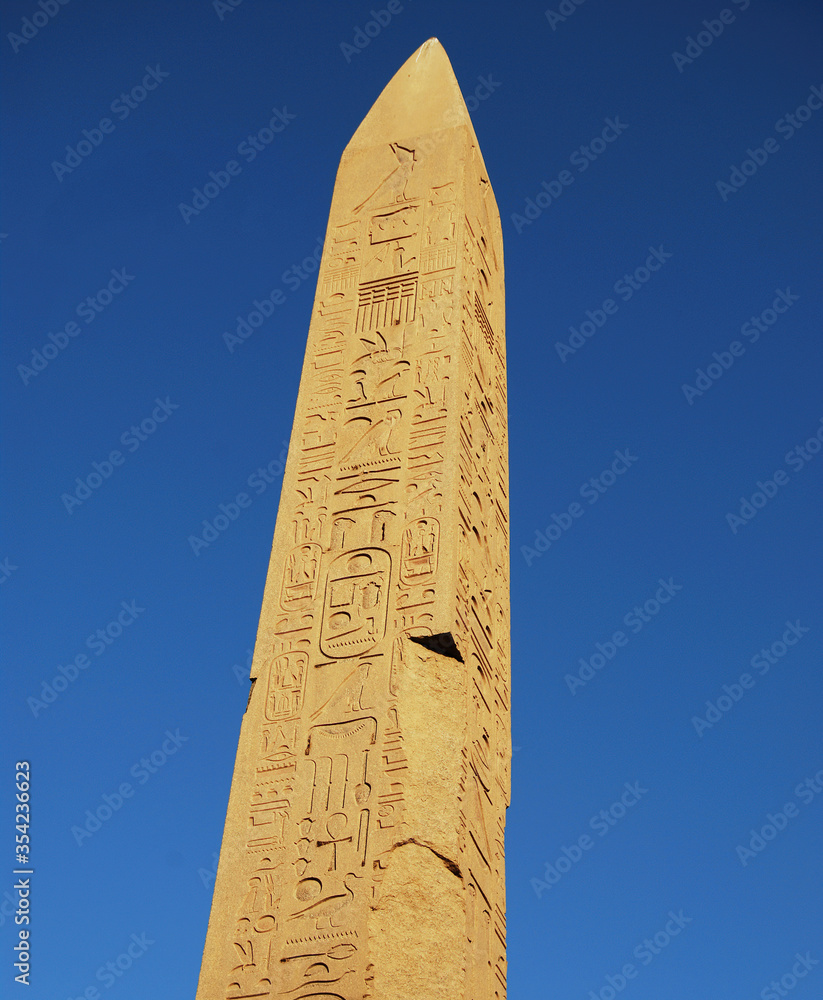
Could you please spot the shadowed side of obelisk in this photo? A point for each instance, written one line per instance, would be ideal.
(363, 849)
(417, 928)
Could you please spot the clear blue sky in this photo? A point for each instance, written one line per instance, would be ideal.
(658, 179)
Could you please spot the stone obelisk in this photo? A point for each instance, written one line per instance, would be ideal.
(362, 854)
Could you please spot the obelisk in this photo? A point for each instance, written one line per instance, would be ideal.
(362, 854)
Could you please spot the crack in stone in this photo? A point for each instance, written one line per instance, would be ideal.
(451, 865)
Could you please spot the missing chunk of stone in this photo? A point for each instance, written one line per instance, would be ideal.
(442, 643)
(251, 692)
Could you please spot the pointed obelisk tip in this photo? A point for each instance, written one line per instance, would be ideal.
(422, 96)
(431, 47)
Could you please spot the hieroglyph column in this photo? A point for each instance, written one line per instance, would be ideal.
(362, 854)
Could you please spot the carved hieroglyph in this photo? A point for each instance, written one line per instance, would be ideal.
(363, 850)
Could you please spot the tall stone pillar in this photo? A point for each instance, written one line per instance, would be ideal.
(363, 849)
